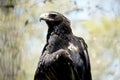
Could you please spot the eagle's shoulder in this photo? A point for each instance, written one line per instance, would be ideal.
(82, 42)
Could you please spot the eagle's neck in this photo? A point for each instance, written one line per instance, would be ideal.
(61, 30)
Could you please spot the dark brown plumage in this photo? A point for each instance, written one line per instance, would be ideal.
(65, 56)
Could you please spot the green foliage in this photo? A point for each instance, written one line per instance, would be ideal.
(104, 40)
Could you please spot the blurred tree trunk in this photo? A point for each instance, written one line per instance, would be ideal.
(10, 41)
(7, 5)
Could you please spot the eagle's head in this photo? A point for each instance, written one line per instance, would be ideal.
(54, 18)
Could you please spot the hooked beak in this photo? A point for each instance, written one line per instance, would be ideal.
(45, 17)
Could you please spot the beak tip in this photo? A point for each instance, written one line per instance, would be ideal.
(40, 19)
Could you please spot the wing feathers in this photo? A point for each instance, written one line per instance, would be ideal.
(58, 66)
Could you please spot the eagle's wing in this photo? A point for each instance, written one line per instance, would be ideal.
(56, 66)
(85, 58)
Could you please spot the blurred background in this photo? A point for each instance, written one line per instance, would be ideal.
(22, 36)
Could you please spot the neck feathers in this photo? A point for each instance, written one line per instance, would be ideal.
(60, 30)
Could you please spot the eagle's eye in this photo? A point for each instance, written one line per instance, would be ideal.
(52, 15)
